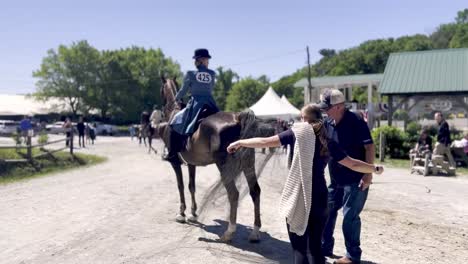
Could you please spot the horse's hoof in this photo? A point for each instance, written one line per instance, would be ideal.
(227, 237)
(193, 218)
(254, 237)
(180, 219)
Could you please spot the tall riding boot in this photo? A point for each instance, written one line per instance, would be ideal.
(172, 148)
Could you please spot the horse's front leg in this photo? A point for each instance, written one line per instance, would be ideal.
(255, 194)
(180, 185)
(192, 173)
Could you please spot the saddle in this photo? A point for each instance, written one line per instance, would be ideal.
(180, 142)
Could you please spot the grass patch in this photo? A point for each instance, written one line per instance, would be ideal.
(405, 164)
(10, 172)
(395, 163)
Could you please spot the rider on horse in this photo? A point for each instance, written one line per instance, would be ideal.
(200, 83)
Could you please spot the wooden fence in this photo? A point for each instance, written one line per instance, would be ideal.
(29, 157)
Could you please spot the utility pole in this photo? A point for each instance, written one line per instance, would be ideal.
(309, 75)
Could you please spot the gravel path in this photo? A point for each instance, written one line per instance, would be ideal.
(122, 211)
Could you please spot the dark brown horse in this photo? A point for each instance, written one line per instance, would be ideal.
(208, 146)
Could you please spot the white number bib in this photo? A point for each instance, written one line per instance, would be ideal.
(203, 77)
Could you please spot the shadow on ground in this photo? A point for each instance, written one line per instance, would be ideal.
(269, 248)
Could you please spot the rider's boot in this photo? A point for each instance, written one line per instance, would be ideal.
(172, 148)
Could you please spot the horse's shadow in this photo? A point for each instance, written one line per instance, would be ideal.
(275, 250)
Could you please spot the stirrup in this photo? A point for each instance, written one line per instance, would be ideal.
(172, 158)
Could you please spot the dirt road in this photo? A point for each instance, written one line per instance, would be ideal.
(123, 211)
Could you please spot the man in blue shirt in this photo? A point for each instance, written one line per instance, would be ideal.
(348, 189)
(25, 126)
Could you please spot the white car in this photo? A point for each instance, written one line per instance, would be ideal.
(8, 127)
(105, 129)
(56, 128)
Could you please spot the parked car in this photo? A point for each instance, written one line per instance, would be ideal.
(105, 129)
(8, 127)
(56, 128)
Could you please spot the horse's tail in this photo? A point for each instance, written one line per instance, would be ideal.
(246, 120)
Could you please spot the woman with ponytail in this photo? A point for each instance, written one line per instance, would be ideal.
(304, 198)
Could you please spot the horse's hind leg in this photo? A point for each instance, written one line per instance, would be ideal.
(180, 185)
(192, 173)
(228, 176)
(254, 188)
(149, 144)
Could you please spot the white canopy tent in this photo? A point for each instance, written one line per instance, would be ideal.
(272, 106)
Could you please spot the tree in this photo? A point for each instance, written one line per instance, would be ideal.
(225, 79)
(64, 73)
(327, 52)
(245, 93)
(443, 35)
(285, 86)
(462, 16)
(118, 84)
(460, 38)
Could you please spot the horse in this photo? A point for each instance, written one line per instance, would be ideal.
(208, 146)
(147, 131)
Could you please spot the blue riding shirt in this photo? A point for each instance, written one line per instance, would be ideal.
(200, 83)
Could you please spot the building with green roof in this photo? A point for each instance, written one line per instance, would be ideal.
(419, 82)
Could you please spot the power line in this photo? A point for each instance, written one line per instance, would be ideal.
(266, 58)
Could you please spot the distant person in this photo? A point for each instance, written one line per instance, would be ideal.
(132, 131)
(68, 130)
(424, 142)
(81, 132)
(92, 133)
(463, 143)
(442, 146)
(156, 116)
(25, 126)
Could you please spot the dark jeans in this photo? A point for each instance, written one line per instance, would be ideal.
(352, 199)
(81, 140)
(307, 249)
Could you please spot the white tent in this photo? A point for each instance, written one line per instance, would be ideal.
(271, 106)
(286, 101)
(25, 105)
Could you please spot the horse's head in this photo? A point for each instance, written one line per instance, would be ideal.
(168, 94)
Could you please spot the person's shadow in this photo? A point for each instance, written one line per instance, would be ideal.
(273, 249)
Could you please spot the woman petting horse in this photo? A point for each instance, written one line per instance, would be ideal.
(304, 198)
(200, 83)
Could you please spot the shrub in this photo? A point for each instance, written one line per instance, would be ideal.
(16, 137)
(397, 144)
(43, 138)
(413, 131)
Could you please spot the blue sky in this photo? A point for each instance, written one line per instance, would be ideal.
(251, 37)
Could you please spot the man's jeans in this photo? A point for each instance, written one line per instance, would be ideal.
(352, 199)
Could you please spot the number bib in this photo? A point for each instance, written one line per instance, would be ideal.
(203, 77)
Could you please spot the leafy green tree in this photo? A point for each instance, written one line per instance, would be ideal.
(462, 16)
(225, 79)
(119, 84)
(443, 35)
(245, 93)
(460, 38)
(64, 73)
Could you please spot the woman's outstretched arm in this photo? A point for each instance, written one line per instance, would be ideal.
(258, 142)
